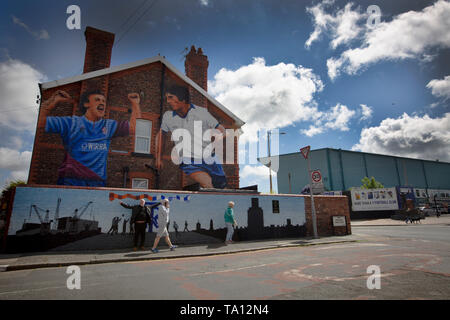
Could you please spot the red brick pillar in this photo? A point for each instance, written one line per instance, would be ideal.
(98, 49)
(196, 67)
(326, 208)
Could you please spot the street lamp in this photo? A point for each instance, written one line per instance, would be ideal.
(269, 133)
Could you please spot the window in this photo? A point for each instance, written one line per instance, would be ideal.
(140, 184)
(275, 206)
(143, 136)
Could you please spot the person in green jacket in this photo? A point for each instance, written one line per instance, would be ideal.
(230, 222)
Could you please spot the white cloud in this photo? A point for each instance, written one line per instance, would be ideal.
(366, 112)
(38, 35)
(18, 110)
(312, 131)
(257, 175)
(415, 137)
(343, 26)
(17, 163)
(257, 172)
(204, 2)
(440, 88)
(267, 96)
(14, 160)
(409, 35)
(19, 90)
(337, 118)
(333, 66)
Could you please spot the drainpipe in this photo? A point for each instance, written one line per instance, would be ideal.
(125, 176)
(161, 106)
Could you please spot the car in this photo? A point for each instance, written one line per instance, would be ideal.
(433, 210)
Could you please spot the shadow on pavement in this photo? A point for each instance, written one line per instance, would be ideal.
(216, 245)
(137, 255)
(299, 242)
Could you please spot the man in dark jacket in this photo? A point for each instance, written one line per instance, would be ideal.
(140, 217)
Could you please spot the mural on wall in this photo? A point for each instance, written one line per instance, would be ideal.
(175, 139)
(81, 219)
(189, 122)
(86, 138)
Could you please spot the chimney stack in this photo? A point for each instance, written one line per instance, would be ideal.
(196, 67)
(98, 49)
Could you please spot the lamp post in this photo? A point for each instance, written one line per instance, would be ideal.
(269, 133)
(305, 152)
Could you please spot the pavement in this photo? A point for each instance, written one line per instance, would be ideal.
(443, 219)
(13, 262)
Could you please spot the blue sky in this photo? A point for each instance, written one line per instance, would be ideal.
(312, 69)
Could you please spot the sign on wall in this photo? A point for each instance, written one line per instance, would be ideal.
(374, 199)
(332, 193)
(339, 221)
(420, 193)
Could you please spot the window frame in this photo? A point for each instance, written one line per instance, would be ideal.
(136, 136)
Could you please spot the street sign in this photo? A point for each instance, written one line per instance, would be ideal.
(305, 151)
(316, 182)
(316, 176)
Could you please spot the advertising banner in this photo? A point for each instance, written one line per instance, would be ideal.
(374, 199)
(420, 193)
(332, 193)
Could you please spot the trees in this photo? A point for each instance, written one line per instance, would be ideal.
(371, 183)
(12, 185)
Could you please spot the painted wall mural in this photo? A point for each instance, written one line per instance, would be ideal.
(87, 138)
(93, 132)
(190, 123)
(87, 219)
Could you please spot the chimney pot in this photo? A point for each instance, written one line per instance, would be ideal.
(196, 67)
(99, 45)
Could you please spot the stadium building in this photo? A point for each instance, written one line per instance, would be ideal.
(342, 170)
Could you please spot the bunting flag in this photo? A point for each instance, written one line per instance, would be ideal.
(113, 196)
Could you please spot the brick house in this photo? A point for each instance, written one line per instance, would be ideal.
(128, 165)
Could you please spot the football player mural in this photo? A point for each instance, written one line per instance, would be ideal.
(187, 118)
(86, 138)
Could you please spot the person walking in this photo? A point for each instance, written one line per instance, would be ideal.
(116, 225)
(163, 219)
(140, 217)
(131, 227)
(124, 226)
(175, 226)
(230, 222)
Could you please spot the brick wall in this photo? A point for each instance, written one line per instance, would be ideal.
(326, 208)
